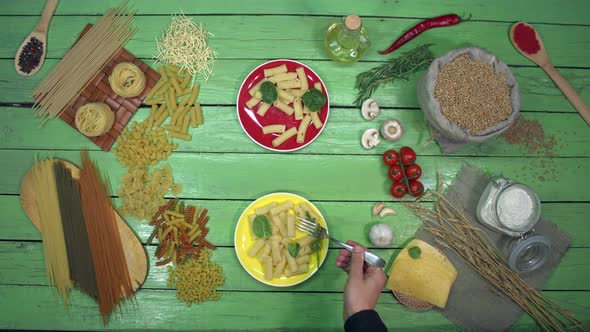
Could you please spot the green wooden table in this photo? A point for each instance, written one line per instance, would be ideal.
(222, 169)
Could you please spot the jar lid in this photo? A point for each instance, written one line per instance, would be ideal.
(529, 254)
(352, 22)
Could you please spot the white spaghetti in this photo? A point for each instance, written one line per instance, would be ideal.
(127, 80)
(94, 119)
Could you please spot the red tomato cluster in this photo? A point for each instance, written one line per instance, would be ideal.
(404, 172)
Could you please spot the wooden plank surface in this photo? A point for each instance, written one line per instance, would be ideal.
(224, 171)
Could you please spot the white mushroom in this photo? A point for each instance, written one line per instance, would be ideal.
(392, 130)
(370, 138)
(370, 109)
(387, 212)
(377, 208)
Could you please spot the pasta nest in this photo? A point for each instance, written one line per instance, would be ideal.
(127, 80)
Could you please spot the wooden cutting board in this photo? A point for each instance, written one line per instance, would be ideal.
(135, 254)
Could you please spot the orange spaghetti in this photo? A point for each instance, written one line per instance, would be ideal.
(110, 266)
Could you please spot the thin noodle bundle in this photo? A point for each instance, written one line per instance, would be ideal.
(127, 80)
(54, 245)
(112, 274)
(82, 62)
(74, 228)
(94, 119)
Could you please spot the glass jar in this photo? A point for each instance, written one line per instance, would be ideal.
(347, 41)
(525, 254)
(508, 207)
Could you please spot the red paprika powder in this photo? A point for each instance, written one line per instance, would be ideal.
(526, 38)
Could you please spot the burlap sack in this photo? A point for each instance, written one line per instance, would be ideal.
(447, 134)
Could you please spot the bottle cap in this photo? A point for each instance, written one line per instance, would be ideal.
(352, 22)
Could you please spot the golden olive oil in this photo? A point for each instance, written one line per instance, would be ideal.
(347, 41)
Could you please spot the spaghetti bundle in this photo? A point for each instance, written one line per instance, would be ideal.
(74, 228)
(110, 265)
(94, 119)
(82, 62)
(127, 80)
(50, 222)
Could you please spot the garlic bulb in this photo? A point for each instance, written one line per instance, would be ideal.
(381, 235)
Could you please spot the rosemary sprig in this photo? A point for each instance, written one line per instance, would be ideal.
(397, 69)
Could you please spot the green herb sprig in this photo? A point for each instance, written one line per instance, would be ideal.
(397, 69)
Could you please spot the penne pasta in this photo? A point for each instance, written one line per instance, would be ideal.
(318, 86)
(283, 77)
(286, 97)
(281, 208)
(306, 110)
(298, 108)
(276, 128)
(275, 70)
(252, 102)
(295, 92)
(258, 94)
(290, 225)
(315, 118)
(267, 264)
(306, 241)
(284, 107)
(304, 251)
(263, 108)
(265, 209)
(302, 78)
(291, 84)
(303, 260)
(291, 263)
(275, 250)
(256, 247)
(280, 268)
(284, 137)
(303, 129)
(300, 270)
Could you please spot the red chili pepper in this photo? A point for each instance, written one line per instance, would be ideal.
(435, 22)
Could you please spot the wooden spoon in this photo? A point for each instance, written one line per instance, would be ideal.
(135, 255)
(40, 32)
(541, 58)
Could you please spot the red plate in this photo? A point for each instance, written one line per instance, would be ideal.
(252, 123)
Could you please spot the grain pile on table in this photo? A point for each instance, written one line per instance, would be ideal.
(472, 95)
(142, 146)
(197, 279)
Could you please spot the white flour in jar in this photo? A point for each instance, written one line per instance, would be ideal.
(515, 207)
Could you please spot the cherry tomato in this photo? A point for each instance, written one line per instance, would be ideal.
(395, 173)
(416, 188)
(398, 189)
(391, 157)
(407, 155)
(413, 172)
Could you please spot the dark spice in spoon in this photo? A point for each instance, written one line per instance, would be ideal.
(31, 55)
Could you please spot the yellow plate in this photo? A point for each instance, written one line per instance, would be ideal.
(244, 239)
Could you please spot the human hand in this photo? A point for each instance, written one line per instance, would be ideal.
(365, 282)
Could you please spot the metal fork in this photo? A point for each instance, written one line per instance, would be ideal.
(319, 232)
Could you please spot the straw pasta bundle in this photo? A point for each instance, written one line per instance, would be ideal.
(54, 244)
(452, 230)
(112, 274)
(82, 62)
(74, 228)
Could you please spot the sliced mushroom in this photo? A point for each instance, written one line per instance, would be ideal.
(392, 130)
(387, 212)
(370, 138)
(370, 109)
(377, 208)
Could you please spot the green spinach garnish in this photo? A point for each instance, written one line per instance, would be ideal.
(294, 248)
(269, 92)
(261, 227)
(314, 99)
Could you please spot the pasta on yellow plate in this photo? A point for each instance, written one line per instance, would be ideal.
(278, 248)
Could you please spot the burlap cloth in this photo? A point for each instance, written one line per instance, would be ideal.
(472, 303)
